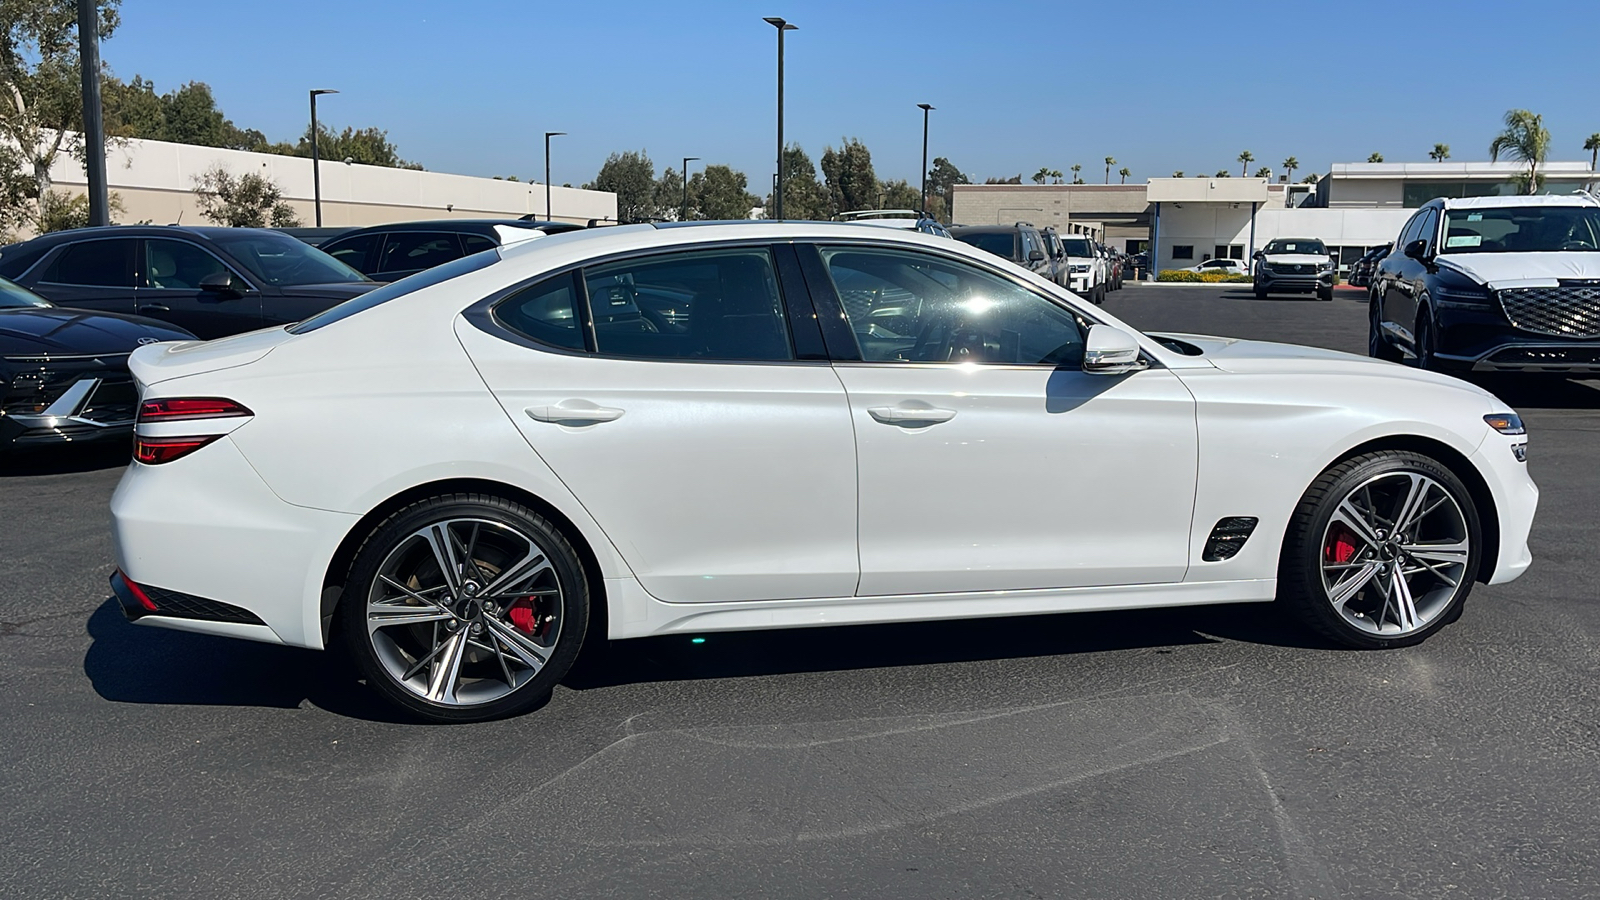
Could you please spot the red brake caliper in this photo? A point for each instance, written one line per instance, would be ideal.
(1341, 546)
(524, 615)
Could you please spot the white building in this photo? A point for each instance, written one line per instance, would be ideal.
(155, 181)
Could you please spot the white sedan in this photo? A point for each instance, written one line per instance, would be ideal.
(1222, 266)
(646, 429)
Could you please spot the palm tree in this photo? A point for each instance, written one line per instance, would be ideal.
(1178, 174)
(1245, 159)
(1223, 173)
(1592, 144)
(1289, 165)
(1525, 139)
(1124, 172)
(1110, 161)
(1076, 168)
(1439, 153)
(1264, 172)
(1376, 157)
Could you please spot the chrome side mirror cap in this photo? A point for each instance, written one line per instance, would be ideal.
(1111, 351)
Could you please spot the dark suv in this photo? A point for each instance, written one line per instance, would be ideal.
(209, 281)
(1021, 243)
(391, 252)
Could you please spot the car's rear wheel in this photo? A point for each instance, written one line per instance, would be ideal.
(1382, 550)
(465, 607)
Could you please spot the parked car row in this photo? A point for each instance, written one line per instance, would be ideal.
(1076, 262)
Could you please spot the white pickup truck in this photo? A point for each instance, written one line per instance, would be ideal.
(1086, 268)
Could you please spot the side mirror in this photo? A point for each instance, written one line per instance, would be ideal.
(1111, 351)
(1417, 250)
(1258, 254)
(218, 283)
(1035, 255)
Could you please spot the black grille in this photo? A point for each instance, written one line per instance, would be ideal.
(1570, 310)
(115, 400)
(1547, 356)
(1228, 537)
(188, 606)
(1295, 269)
(37, 383)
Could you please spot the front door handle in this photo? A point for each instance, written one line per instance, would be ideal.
(574, 415)
(154, 307)
(912, 416)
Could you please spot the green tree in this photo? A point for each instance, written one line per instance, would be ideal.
(848, 171)
(804, 197)
(719, 192)
(190, 116)
(1375, 158)
(1015, 179)
(900, 194)
(249, 201)
(1264, 172)
(632, 177)
(1524, 139)
(1439, 153)
(60, 211)
(1124, 172)
(1309, 179)
(1178, 174)
(131, 110)
(1110, 161)
(366, 146)
(1223, 173)
(1245, 158)
(942, 180)
(1289, 165)
(667, 197)
(1076, 168)
(41, 105)
(1592, 144)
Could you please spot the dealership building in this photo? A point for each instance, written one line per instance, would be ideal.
(1352, 209)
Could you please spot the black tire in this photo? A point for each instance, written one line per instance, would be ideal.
(1261, 292)
(1427, 341)
(569, 609)
(1301, 585)
(1378, 346)
(1325, 293)
(1100, 295)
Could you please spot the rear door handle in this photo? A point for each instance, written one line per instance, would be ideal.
(574, 415)
(910, 415)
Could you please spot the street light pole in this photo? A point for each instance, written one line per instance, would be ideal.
(777, 192)
(94, 132)
(683, 212)
(547, 136)
(316, 162)
(925, 109)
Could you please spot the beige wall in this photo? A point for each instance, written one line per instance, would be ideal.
(1047, 204)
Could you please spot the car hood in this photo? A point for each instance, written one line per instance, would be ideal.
(1296, 259)
(58, 331)
(164, 362)
(1513, 270)
(1267, 358)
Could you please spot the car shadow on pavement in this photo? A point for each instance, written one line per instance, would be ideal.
(128, 663)
(753, 653)
(64, 459)
(1542, 391)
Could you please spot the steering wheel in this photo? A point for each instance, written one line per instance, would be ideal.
(1577, 244)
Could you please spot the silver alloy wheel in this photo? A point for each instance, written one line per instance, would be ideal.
(1395, 553)
(464, 611)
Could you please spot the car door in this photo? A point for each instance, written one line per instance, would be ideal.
(94, 274)
(715, 450)
(1405, 280)
(170, 274)
(988, 459)
(358, 251)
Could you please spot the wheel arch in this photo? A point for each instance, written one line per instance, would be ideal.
(343, 557)
(1462, 468)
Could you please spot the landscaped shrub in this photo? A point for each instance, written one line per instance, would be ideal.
(1202, 277)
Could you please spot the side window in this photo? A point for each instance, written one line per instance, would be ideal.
(910, 307)
(94, 263)
(1430, 222)
(546, 312)
(1030, 243)
(475, 243)
(409, 250)
(1409, 233)
(177, 265)
(709, 304)
(359, 252)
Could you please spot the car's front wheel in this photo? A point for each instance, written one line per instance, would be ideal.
(465, 607)
(1382, 550)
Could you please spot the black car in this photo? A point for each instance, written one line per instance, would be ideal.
(210, 281)
(1361, 270)
(1021, 243)
(391, 252)
(1509, 284)
(64, 372)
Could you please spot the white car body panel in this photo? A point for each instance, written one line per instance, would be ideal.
(363, 410)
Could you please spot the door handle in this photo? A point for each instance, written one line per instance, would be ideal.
(574, 415)
(910, 415)
(154, 307)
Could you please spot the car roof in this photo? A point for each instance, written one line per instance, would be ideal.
(104, 231)
(1577, 199)
(985, 229)
(484, 226)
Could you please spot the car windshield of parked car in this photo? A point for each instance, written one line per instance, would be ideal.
(283, 261)
(1078, 246)
(1000, 243)
(1522, 229)
(13, 296)
(1314, 248)
(382, 295)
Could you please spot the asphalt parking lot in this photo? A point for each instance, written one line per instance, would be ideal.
(1204, 752)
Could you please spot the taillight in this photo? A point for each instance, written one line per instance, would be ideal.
(173, 409)
(153, 451)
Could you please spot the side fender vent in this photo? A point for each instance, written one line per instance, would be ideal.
(1227, 537)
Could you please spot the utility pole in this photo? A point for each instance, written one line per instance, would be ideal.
(316, 160)
(777, 192)
(94, 131)
(925, 110)
(547, 136)
(683, 211)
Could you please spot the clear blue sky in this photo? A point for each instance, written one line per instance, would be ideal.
(470, 87)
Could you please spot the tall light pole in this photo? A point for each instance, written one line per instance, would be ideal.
(547, 136)
(925, 110)
(316, 162)
(683, 212)
(94, 132)
(777, 192)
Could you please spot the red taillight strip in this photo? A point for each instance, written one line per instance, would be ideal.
(174, 409)
(153, 451)
(139, 594)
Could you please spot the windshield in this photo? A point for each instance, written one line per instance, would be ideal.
(1296, 245)
(1000, 243)
(1522, 229)
(1077, 246)
(283, 261)
(14, 296)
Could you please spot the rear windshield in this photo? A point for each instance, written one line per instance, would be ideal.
(1002, 243)
(423, 279)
